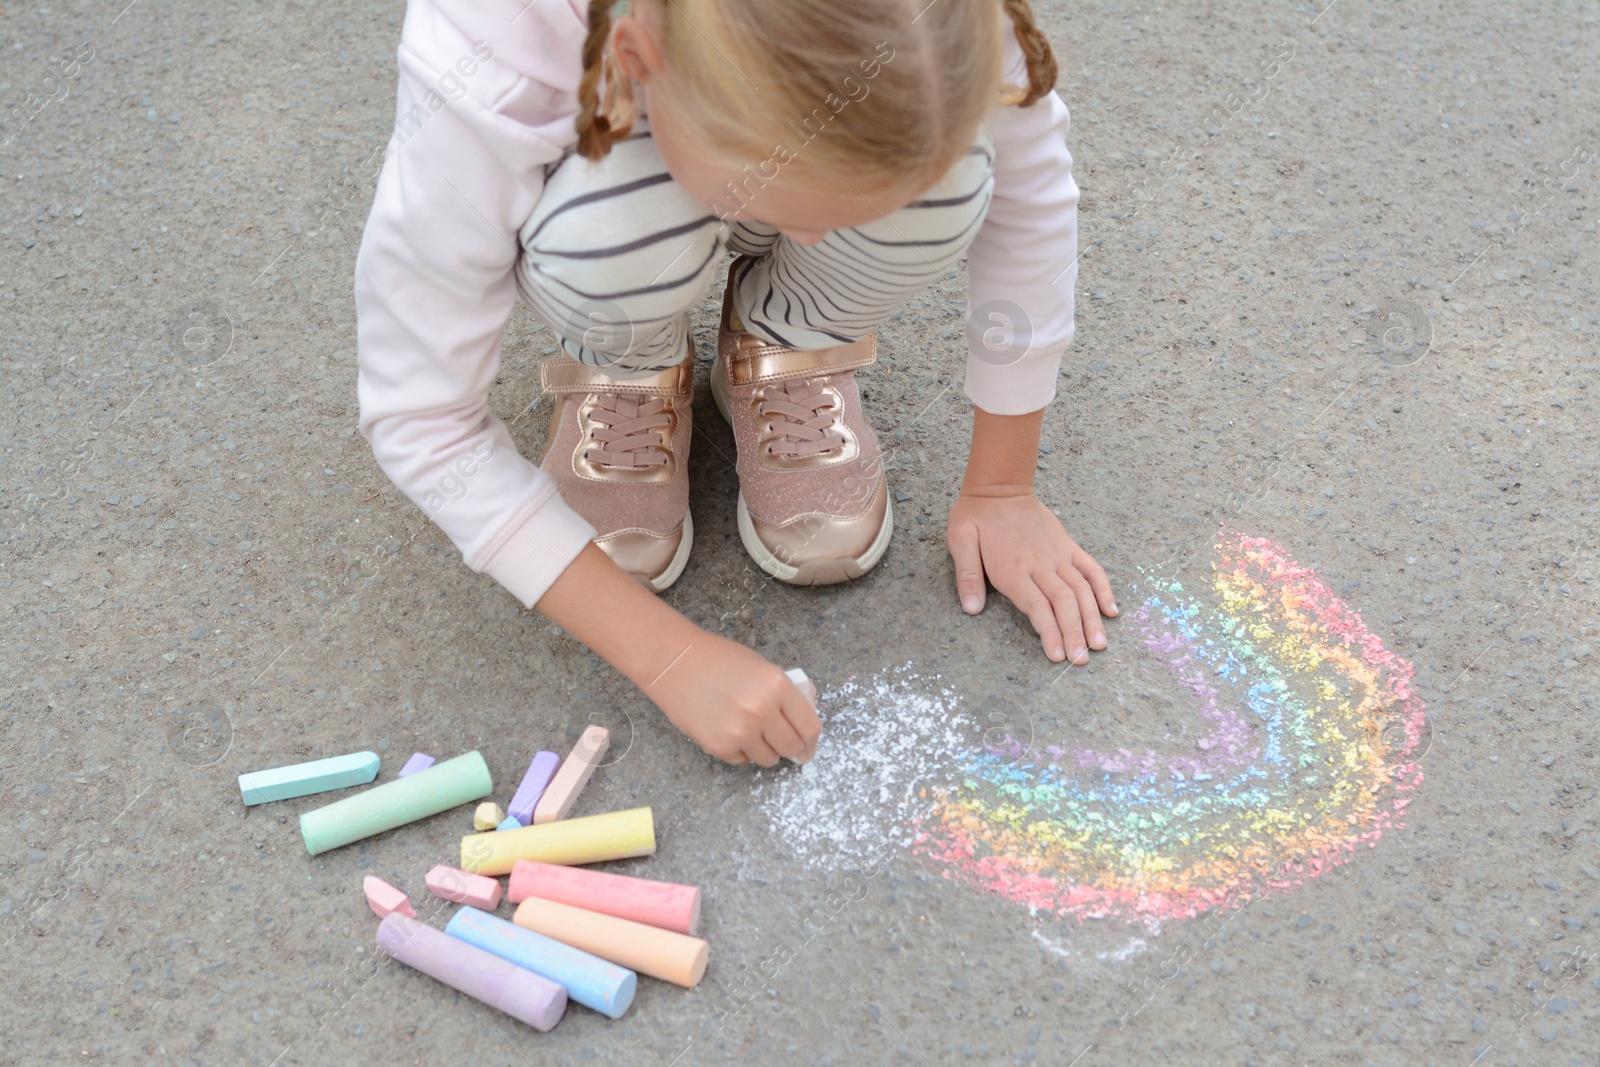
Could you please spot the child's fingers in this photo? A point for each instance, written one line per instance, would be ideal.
(803, 718)
(1035, 604)
(1064, 605)
(758, 751)
(784, 738)
(965, 554)
(1087, 608)
(1104, 600)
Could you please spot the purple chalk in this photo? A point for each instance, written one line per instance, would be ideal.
(419, 761)
(481, 975)
(540, 771)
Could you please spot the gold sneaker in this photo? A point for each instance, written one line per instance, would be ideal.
(618, 450)
(813, 500)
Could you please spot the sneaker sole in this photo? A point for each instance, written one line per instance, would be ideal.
(818, 571)
(680, 559)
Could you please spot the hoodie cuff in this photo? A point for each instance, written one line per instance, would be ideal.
(1018, 389)
(540, 541)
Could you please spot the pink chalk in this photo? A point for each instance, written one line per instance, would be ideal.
(463, 888)
(385, 899)
(665, 904)
(573, 776)
(419, 761)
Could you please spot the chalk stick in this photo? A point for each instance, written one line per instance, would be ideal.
(487, 816)
(510, 823)
(574, 774)
(643, 900)
(372, 811)
(616, 835)
(303, 779)
(540, 771)
(804, 683)
(521, 994)
(419, 761)
(459, 887)
(662, 954)
(384, 899)
(590, 980)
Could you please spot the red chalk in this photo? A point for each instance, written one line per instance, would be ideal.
(667, 905)
(384, 899)
(463, 888)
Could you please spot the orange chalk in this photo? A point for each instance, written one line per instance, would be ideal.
(650, 950)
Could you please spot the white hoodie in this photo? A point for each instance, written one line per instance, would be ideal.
(487, 98)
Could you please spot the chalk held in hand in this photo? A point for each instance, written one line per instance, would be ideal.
(616, 835)
(521, 994)
(404, 800)
(488, 815)
(459, 887)
(590, 980)
(540, 771)
(804, 683)
(574, 774)
(303, 779)
(419, 761)
(649, 950)
(384, 899)
(641, 900)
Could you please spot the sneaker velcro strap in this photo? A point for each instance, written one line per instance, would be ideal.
(755, 362)
(563, 375)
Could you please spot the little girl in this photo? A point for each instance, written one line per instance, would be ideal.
(848, 152)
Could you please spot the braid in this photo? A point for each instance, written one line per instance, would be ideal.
(1036, 48)
(601, 124)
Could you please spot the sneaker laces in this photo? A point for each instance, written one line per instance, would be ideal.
(804, 416)
(626, 430)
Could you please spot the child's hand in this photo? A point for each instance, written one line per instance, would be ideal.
(735, 705)
(1023, 548)
(729, 700)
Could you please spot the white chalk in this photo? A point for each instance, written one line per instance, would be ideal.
(803, 682)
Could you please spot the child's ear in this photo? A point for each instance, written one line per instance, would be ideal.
(634, 44)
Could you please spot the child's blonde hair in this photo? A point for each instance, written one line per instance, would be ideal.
(899, 86)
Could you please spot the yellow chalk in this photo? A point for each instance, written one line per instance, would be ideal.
(487, 816)
(592, 839)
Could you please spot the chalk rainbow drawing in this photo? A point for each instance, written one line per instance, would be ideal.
(1314, 757)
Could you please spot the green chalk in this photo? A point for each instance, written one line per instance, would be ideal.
(303, 779)
(416, 796)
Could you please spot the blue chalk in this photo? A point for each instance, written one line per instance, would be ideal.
(540, 771)
(589, 980)
(303, 779)
(511, 823)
